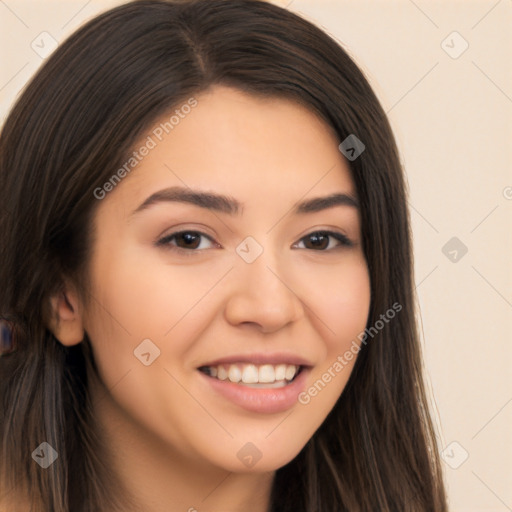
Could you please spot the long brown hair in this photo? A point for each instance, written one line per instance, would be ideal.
(73, 126)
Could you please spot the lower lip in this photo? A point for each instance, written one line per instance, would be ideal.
(259, 399)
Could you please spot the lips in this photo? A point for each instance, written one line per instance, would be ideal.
(258, 382)
(260, 398)
(256, 368)
(260, 359)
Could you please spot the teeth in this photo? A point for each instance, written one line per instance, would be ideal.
(234, 373)
(290, 372)
(250, 373)
(222, 374)
(280, 372)
(264, 374)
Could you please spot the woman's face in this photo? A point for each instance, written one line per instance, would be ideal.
(251, 281)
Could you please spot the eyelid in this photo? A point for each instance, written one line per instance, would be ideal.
(163, 241)
(342, 239)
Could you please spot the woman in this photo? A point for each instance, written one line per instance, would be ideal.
(207, 275)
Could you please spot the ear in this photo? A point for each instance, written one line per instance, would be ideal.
(66, 317)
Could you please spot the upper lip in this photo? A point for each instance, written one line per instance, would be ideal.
(260, 358)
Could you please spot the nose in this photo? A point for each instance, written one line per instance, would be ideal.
(261, 297)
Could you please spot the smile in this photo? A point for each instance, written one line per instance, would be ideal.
(252, 375)
(266, 392)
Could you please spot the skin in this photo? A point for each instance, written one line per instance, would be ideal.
(174, 440)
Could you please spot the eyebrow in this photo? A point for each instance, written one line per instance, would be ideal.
(227, 204)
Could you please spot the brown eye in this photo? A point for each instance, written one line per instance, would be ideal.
(186, 240)
(322, 240)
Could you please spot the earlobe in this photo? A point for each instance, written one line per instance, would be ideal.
(66, 317)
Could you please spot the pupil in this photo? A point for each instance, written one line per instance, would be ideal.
(189, 239)
(318, 240)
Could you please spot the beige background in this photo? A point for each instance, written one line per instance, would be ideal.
(452, 115)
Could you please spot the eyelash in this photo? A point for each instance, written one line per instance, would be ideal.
(343, 240)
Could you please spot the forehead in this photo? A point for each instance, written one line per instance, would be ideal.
(241, 145)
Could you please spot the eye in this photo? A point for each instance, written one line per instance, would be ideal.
(324, 241)
(194, 241)
(187, 240)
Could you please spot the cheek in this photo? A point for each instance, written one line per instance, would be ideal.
(135, 300)
(149, 297)
(340, 299)
(349, 301)
(343, 306)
